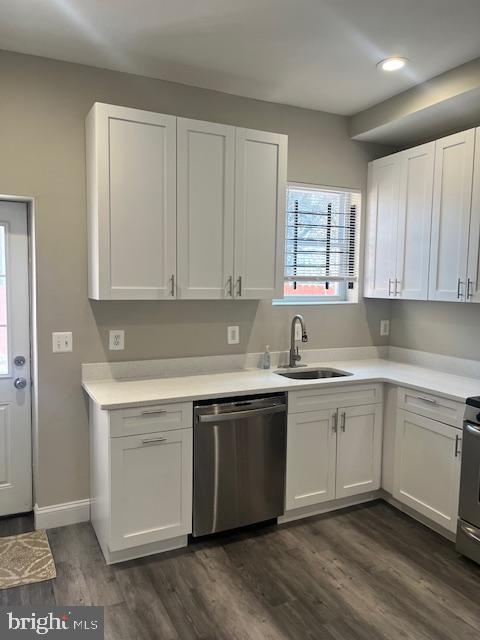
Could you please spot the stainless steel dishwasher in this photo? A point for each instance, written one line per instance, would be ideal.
(239, 462)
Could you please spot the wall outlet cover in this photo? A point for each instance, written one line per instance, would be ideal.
(116, 340)
(62, 341)
(233, 335)
(384, 327)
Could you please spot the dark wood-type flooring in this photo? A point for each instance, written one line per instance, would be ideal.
(360, 574)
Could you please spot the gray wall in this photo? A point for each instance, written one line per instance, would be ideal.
(42, 113)
(449, 328)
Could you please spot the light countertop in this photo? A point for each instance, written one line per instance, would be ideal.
(123, 393)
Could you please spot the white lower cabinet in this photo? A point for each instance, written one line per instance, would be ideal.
(151, 480)
(359, 450)
(333, 453)
(311, 458)
(427, 467)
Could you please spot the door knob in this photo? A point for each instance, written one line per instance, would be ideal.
(19, 361)
(20, 383)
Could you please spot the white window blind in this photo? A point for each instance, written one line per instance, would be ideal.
(321, 235)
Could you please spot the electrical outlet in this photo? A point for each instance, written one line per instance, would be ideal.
(116, 340)
(384, 327)
(233, 335)
(298, 331)
(62, 341)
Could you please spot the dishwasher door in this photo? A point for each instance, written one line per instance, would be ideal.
(239, 463)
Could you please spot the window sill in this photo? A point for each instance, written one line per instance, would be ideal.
(299, 303)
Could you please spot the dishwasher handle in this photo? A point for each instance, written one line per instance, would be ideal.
(237, 415)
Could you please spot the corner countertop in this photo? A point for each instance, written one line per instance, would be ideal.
(124, 393)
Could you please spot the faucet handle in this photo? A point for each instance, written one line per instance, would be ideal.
(304, 337)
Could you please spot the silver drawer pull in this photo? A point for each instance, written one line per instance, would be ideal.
(153, 440)
(154, 412)
(427, 400)
(458, 451)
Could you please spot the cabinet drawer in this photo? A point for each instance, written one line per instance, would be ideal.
(431, 406)
(331, 398)
(164, 417)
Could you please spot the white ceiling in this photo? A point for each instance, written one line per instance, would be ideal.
(319, 54)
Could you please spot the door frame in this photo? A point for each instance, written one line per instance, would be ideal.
(29, 202)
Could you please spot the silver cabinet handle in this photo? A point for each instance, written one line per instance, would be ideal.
(344, 420)
(153, 412)
(429, 400)
(459, 288)
(390, 286)
(457, 441)
(397, 282)
(154, 440)
(335, 422)
(239, 283)
(230, 286)
(172, 290)
(469, 288)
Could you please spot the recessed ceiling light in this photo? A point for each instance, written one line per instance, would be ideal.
(392, 64)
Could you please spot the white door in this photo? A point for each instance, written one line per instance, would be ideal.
(311, 451)
(414, 222)
(452, 192)
(473, 275)
(131, 169)
(427, 467)
(359, 450)
(260, 194)
(205, 213)
(382, 222)
(151, 488)
(15, 411)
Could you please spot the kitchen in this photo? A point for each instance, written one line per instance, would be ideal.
(159, 307)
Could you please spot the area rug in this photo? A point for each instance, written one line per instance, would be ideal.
(25, 559)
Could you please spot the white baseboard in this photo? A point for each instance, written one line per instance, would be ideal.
(60, 515)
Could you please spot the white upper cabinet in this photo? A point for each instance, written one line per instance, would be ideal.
(131, 171)
(205, 214)
(414, 222)
(451, 216)
(181, 208)
(473, 273)
(260, 192)
(398, 225)
(383, 203)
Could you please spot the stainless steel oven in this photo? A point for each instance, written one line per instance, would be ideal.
(239, 453)
(468, 530)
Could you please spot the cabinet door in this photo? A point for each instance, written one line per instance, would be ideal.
(151, 488)
(427, 467)
(311, 452)
(260, 192)
(131, 169)
(205, 200)
(452, 192)
(473, 276)
(359, 450)
(382, 221)
(414, 222)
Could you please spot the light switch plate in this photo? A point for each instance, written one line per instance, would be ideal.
(62, 341)
(116, 340)
(233, 335)
(384, 327)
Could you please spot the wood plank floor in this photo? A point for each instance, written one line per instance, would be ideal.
(366, 573)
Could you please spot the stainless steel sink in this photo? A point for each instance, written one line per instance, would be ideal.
(313, 374)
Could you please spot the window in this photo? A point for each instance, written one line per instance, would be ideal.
(321, 244)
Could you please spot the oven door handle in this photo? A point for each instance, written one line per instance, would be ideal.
(471, 428)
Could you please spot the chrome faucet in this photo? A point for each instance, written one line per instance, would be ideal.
(294, 355)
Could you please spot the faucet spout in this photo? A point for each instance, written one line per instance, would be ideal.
(294, 354)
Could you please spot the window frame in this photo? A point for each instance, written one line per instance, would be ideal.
(347, 296)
